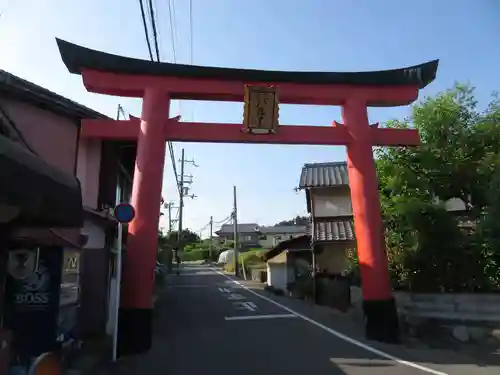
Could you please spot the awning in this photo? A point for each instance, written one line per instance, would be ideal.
(43, 195)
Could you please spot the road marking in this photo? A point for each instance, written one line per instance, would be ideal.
(188, 286)
(245, 306)
(250, 306)
(336, 333)
(224, 290)
(257, 317)
(235, 297)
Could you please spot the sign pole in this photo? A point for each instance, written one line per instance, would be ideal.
(124, 213)
(118, 289)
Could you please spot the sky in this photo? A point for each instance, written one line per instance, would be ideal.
(314, 35)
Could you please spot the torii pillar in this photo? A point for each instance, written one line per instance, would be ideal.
(378, 302)
(136, 315)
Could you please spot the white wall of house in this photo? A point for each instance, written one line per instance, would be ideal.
(331, 202)
(277, 275)
(270, 240)
(280, 272)
(96, 235)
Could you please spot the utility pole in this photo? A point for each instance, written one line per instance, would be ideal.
(169, 207)
(181, 201)
(211, 235)
(235, 222)
(183, 193)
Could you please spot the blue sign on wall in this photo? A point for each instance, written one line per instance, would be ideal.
(124, 213)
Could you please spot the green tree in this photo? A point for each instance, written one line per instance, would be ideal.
(186, 238)
(487, 236)
(457, 158)
(298, 220)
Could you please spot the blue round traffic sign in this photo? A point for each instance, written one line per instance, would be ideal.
(124, 213)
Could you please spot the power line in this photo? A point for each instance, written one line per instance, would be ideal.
(172, 33)
(145, 25)
(191, 32)
(157, 49)
(153, 26)
(225, 220)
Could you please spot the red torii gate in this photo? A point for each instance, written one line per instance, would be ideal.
(158, 83)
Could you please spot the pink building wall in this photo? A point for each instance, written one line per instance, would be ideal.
(54, 138)
(88, 168)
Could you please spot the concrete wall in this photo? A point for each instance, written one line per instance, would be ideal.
(88, 169)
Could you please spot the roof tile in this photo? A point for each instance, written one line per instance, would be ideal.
(335, 230)
(324, 175)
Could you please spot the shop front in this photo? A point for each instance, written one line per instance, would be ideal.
(37, 197)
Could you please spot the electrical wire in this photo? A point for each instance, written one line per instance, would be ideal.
(145, 25)
(157, 49)
(155, 34)
(223, 221)
(191, 44)
(172, 32)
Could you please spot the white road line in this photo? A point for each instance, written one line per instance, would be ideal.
(257, 317)
(188, 286)
(336, 333)
(235, 297)
(243, 306)
(251, 306)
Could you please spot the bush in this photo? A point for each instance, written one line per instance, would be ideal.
(251, 257)
(229, 267)
(194, 255)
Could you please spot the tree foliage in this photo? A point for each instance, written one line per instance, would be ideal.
(298, 220)
(459, 157)
(172, 240)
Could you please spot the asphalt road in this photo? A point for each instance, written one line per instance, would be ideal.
(208, 324)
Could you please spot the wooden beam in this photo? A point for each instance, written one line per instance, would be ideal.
(220, 90)
(217, 133)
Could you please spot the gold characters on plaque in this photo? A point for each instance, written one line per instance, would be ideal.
(261, 109)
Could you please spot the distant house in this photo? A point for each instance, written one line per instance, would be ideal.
(329, 202)
(253, 235)
(248, 234)
(328, 199)
(287, 260)
(273, 235)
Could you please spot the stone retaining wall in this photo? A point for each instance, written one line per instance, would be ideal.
(473, 308)
(465, 316)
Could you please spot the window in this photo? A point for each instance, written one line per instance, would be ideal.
(263, 237)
